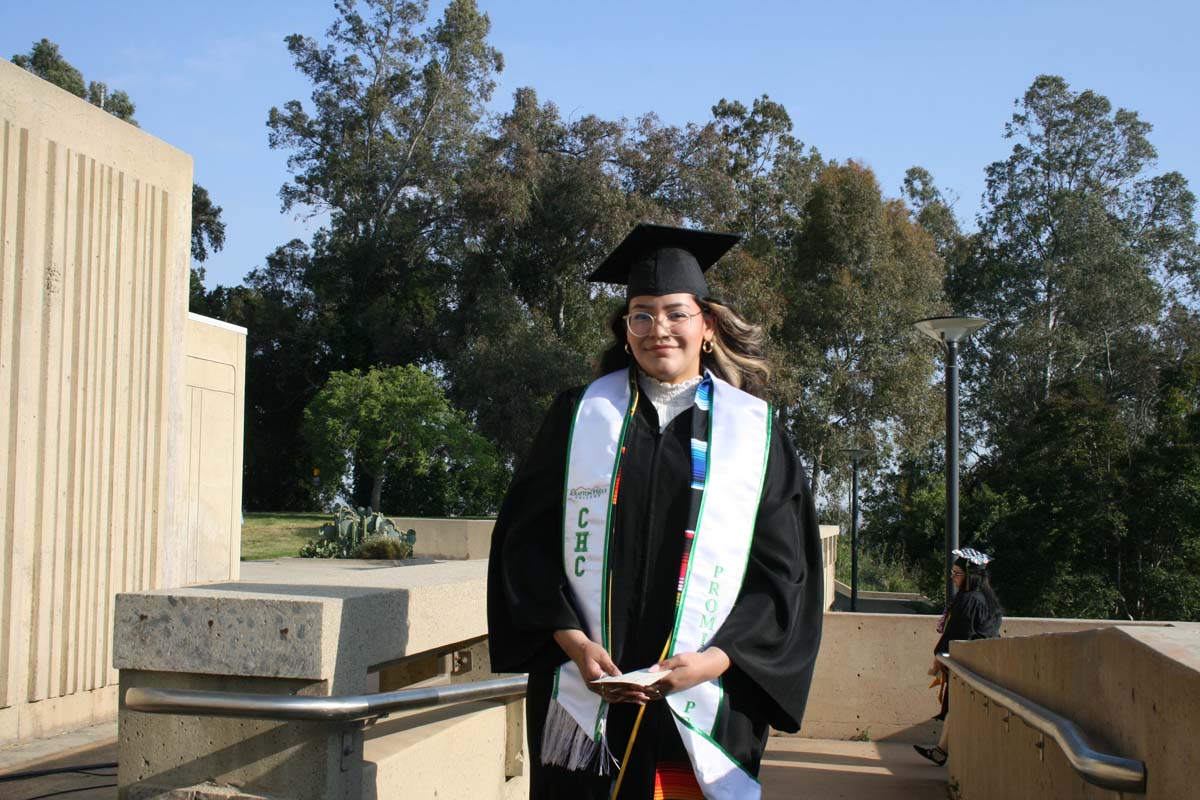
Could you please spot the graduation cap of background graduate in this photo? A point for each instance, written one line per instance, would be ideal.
(662, 259)
(973, 556)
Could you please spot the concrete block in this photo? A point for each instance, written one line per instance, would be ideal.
(304, 618)
(260, 758)
(297, 626)
(93, 276)
(224, 633)
(411, 755)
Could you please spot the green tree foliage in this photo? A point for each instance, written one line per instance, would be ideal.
(1061, 478)
(1161, 561)
(1082, 393)
(904, 509)
(45, 61)
(288, 360)
(547, 199)
(1080, 251)
(393, 116)
(389, 421)
(208, 235)
(861, 272)
(934, 212)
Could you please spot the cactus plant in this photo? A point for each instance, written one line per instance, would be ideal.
(350, 529)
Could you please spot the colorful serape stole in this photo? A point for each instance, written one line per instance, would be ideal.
(700, 422)
(676, 781)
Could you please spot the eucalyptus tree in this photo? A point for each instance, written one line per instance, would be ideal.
(1082, 249)
(546, 200)
(394, 113)
(1087, 263)
(860, 271)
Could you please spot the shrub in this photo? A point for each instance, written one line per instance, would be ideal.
(350, 531)
(383, 547)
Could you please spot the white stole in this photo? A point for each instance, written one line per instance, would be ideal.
(738, 442)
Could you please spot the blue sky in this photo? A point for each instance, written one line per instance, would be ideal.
(891, 84)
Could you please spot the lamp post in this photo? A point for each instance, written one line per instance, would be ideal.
(949, 331)
(855, 454)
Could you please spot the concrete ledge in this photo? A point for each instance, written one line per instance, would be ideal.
(294, 626)
(303, 618)
(870, 678)
(1133, 690)
(451, 539)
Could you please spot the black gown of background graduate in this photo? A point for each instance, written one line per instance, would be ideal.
(771, 635)
(969, 619)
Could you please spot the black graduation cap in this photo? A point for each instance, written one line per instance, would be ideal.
(662, 259)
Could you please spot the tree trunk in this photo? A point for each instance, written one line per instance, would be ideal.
(376, 491)
(814, 477)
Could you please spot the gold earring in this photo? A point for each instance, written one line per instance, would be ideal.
(707, 347)
(627, 350)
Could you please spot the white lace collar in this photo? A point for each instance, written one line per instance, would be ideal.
(669, 399)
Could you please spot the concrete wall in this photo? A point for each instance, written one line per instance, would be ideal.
(214, 413)
(459, 539)
(1134, 691)
(870, 675)
(829, 541)
(94, 244)
(452, 539)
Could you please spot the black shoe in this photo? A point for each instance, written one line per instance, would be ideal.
(935, 754)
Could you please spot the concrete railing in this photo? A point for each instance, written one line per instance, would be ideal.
(1132, 690)
(320, 629)
(1097, 767)
(871, 682)
(324, 629)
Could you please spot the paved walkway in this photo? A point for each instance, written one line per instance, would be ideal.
(823, 769)
(95, 785)
(803, 769)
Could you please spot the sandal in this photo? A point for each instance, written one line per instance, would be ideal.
(935, 754)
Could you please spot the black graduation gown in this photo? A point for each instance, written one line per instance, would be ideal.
(969, 619)
(771, 634)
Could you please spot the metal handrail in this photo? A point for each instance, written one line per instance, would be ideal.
(1099, 769)
(346, 708)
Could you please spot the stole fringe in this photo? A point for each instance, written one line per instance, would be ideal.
(565, 744)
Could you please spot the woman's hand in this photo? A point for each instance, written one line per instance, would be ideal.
(594, 662)
(592, 659)
(688, 670)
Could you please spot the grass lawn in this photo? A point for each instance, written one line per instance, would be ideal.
(267, 535)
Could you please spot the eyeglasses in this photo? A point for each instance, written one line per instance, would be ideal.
(957, 573)
(641, 323)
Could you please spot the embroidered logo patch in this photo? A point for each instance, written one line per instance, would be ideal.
(588, 492)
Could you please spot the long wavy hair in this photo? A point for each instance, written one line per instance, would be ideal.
(737, 356)
(978, 579)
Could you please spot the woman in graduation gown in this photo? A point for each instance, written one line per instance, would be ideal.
(659, 522)
(974, 614)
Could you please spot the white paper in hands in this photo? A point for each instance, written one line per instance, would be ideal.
(641, 677)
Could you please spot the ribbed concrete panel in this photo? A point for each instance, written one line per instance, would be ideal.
(94, 239)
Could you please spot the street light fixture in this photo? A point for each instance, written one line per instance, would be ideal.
(855, 455)
(949, 331)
